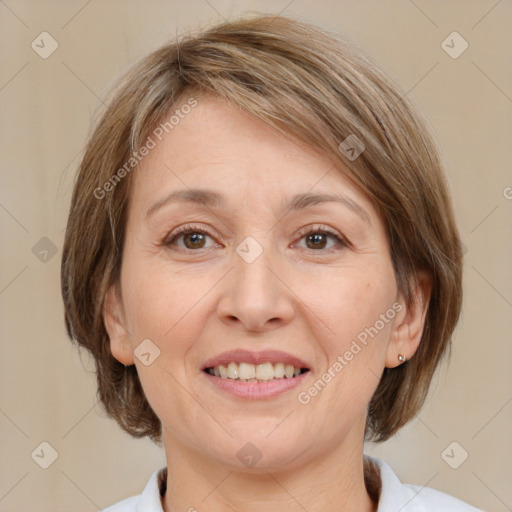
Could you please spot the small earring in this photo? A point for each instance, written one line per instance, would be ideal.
(402, 358)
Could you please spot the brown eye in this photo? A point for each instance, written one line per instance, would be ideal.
(193, 238)
(317, 239)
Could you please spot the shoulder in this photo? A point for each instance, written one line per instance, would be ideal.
(150, 498)
(394, 495)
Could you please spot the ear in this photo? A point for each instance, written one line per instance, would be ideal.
(115, 325)
(409, 322)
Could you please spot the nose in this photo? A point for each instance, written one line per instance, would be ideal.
(257, 296)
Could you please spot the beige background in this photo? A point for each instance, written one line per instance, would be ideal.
(47, 393)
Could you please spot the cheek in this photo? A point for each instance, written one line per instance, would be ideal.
(358, 311)
(163, 306)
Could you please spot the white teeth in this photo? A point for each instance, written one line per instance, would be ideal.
(233, 371)
(246, 371)
(279, 370)
(265, 371)
(254, 373)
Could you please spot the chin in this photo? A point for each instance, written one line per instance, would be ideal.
(261, 448)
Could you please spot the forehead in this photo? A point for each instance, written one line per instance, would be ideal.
(216, 132)
(219, 147)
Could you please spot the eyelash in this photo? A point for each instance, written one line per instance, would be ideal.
(183, 230)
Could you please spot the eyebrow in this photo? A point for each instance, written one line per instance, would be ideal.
(298, 202)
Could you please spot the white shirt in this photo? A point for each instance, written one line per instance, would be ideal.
(394, 496)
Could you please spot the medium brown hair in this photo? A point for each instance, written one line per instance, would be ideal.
(313, 86)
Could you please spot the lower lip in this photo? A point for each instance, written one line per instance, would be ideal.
(255, 390)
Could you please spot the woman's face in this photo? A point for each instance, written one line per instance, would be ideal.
(246, 276)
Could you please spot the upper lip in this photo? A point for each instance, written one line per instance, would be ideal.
(262, 356)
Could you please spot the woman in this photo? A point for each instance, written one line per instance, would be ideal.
(261, 256)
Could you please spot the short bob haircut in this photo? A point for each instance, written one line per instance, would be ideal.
(316, 88)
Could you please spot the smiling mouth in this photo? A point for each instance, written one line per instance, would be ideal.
(247, 372)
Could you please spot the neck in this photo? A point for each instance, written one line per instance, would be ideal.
(334, 480)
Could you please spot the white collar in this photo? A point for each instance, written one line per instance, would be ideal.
(394, 495)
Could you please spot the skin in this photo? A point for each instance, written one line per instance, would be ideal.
(311, 301)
